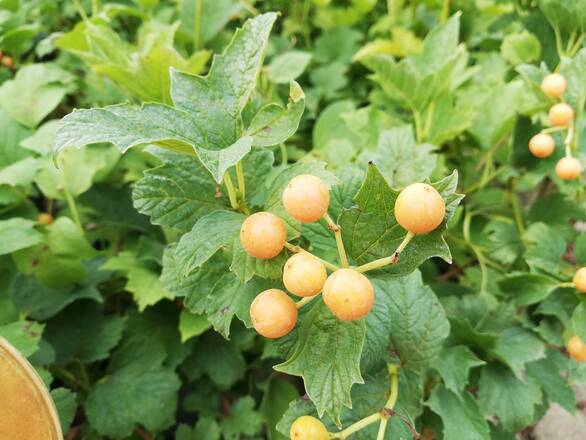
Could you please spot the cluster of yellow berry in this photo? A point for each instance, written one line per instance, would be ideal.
(577, 347)
(347, 292)
(561, 117)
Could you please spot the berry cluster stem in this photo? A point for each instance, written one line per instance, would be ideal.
(359, 425)
(386, 261)
(297, 249)
(335, 228)
(569, 140)
(305, 300)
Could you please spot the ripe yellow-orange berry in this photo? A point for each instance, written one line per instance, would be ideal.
(561, 114)
(348, 294)
(44, 218)
(542, 145)
(308, 428)
(304, 275)
(579, 280)
(7, 62)
(554, 85)
(263, 235)
(568, 168)
(577, 349)
(420, 208)
(306, 198)
(273, 313)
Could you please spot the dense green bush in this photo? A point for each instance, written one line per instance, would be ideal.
(137, 136)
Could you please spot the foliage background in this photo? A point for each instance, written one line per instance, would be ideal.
(88, 300)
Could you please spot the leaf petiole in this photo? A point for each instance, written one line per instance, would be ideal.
(386, 261)
(241, 182)
(339, 243)
(360, 424)
(231, 191)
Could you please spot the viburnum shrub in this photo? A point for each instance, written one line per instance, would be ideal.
(341, 220)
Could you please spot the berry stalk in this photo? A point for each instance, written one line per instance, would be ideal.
(386, 261)
(231, 191)
(297, 249)
(339, 243)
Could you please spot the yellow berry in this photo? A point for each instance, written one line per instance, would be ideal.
(263, 235)
(420, 208)
(568, 168)
(273, 313)
(44, 218)
(304, 275)
(561, 115)
(577, 349)
(542, 145)
(348, 294)
(554, 85)
(308, 428)
(306, 198)
(579, 280)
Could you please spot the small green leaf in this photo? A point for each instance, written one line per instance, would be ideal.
(527, 288)
(18, 233)
(522, 47)
(66, 405)
(460, 415)
(288, 66)
(243, 420)
(454, 365)
(23, 335)
(192, 325)
(517, 346)
(325, 345)
(502, 394)
(209, 234)
(579, 321)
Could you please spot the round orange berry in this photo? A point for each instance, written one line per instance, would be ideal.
(579, 280)
(304, 275)
(561, 114)
(554, 85)
(273, 313)
(306, 198)
(568, 168)
(308, 428)
(577, 349)
(263, 235)
(420, 208)
(44, 218)
(542, 145)
(348, 294)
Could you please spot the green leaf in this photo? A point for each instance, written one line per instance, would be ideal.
(243, 420)
(544, 248)
(216, 100)
(274, 124)
(556, 386)
(192, 324)
(574, 70)
(245, 266)
(275, 402)
(23, 335)
(327, 357)
(454, 365)
(18, 233)
(527, 288)
(288, 66)
(370, 230)
(177, 193)
(416, 321)
(127, 126)
(146, 287)
(460, 415)
(522, 47)
(120, 401)
(566, 15)
(211, 232)
(505, 243)
(399, 159)
(35, 91)
(219, 359)
(83, 333)
(40, 302)
(215, 15)
(503, 395)
(21, 173)
(517, 346)
(66, 404)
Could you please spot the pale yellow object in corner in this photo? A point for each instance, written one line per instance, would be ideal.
(27, 411)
